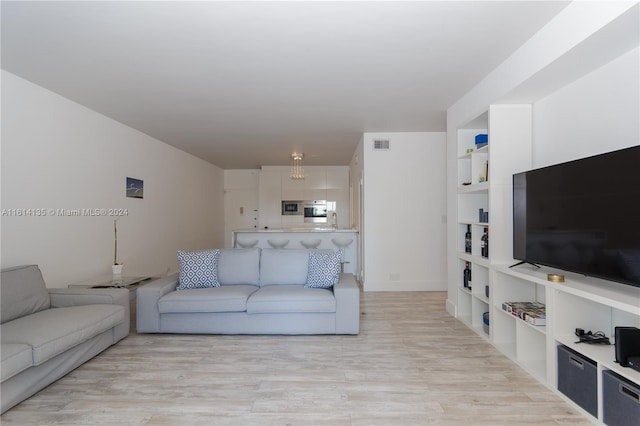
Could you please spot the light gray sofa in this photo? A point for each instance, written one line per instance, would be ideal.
(262, 291)
(46, 333)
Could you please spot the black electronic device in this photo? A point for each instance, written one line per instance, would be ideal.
(581, 216)
(627, 344)
(634, 362)
(590, 337)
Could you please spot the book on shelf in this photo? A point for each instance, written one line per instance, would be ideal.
(532, 312)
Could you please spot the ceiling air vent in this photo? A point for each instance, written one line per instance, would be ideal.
(381, 144)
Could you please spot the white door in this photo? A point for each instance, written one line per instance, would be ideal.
(240, 211)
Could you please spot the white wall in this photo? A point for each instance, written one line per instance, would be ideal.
(405, 212)
(57, 154)
(598, 113)
(240, 201)
(356, 183)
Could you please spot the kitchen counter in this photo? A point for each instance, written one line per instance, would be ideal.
(297, 229)
(301, 237)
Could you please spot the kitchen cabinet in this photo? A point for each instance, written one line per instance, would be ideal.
(320, 183)
(341, 197)
(269, 200)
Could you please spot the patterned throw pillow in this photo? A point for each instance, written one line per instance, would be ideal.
(324, 269)
(198, 269)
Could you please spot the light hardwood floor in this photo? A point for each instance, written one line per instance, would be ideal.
(412, 364)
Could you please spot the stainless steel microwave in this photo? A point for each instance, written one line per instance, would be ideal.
(292, 208)
(315, 211)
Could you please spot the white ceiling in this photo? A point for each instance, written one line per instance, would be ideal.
(244, 84)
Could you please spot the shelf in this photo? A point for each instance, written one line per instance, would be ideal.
(542, 329)
(483, 150)
(616, 295)
(483, 224)
(473, 188)
(478, 260)
(602, 354)
(481, 297)
(584, 302)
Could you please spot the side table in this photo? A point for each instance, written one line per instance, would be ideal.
(109, 281)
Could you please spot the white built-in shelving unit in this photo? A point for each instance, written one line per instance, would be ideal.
(579, 302)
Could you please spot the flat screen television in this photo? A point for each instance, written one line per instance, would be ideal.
(582, 216)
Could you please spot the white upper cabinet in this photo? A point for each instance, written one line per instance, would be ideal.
(320, 183)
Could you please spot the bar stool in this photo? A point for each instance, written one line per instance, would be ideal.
(246, 243)
(311, 244)
(342, 243)
(278, 243)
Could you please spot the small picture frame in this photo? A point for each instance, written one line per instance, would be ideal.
(135, 188)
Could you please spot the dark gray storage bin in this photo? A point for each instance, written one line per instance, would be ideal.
(578, 379)
(621, 400)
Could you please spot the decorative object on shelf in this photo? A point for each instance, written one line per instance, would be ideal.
(297, 170)
(484, 243)
(484, 174)
(467, 240)
(555, 278)
(116, 267)
(135, 188)
(467, 276)
(483, 216)
(482, 140)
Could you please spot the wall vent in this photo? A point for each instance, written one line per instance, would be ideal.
(381, 144)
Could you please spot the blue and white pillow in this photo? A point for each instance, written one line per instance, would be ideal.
(324, 269)
(198, 269)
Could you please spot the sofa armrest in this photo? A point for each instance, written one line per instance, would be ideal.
(65, 297)
(148, 315)
(75, 296)
(347, 295)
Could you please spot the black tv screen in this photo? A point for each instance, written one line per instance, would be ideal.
(581, 216)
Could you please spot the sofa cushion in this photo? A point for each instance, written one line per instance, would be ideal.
(239, 266)
(16, 357)
(283, 266)
(23, 292)
(198, 269)
(229, 298)
(291, 299)
(324, 270)
(53, 331)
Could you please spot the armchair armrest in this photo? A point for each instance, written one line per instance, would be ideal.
(65, 297)
(347, 295)
(148, 315)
